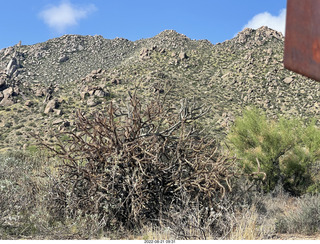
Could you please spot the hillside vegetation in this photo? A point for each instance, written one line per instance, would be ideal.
(53, 79)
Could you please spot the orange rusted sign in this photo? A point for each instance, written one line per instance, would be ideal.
(302, 38)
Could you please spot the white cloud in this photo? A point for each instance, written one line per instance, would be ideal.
(65, 15)
(277, 23)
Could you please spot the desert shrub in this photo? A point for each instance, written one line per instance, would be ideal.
(32, 149)
(137, 164)
(18, 195)
(303, 218)
(8, 124)
(26, 181)
(286, 150)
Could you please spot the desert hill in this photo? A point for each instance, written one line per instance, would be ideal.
(42, 85)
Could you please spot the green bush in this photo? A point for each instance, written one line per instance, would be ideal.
(32, 149)
(285, 150)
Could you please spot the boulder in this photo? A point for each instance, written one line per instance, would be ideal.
(12, 66)
(63, 58)
(80, 48)
(6, 101)
(51, 105)
(95, 72)
(28, 103)
(99, 93)
(91, 92)
(183, 55)
(40, 92)
(89, 78)
(3, 80)
(145, 53)
(92, 102)
(8, 51)
(6, 96)
(244, 35)
(162, 50)
(84, 94)
(58, 112)
(57, 121)
(9, 92)
(288, 80)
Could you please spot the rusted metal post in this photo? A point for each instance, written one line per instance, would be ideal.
(302, 38)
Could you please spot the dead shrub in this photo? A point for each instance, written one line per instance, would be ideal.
(18, 191)
(134, 165)
(25, 188)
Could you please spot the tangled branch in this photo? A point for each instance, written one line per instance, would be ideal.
(133, 163)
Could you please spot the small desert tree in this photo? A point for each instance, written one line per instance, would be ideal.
(285, 150)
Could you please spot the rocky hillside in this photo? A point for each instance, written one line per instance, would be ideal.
(42, 85)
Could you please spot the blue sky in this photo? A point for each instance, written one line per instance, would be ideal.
(33, 21)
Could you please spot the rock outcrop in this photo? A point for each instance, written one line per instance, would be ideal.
(51, 106)
(7, 96)
(3, 80)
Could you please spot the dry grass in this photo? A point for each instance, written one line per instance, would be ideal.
(302, 218)
(156, 233)
(25, 183)
(251, 226)
(246, 226)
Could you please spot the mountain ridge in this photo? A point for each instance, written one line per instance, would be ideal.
(66, 48)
